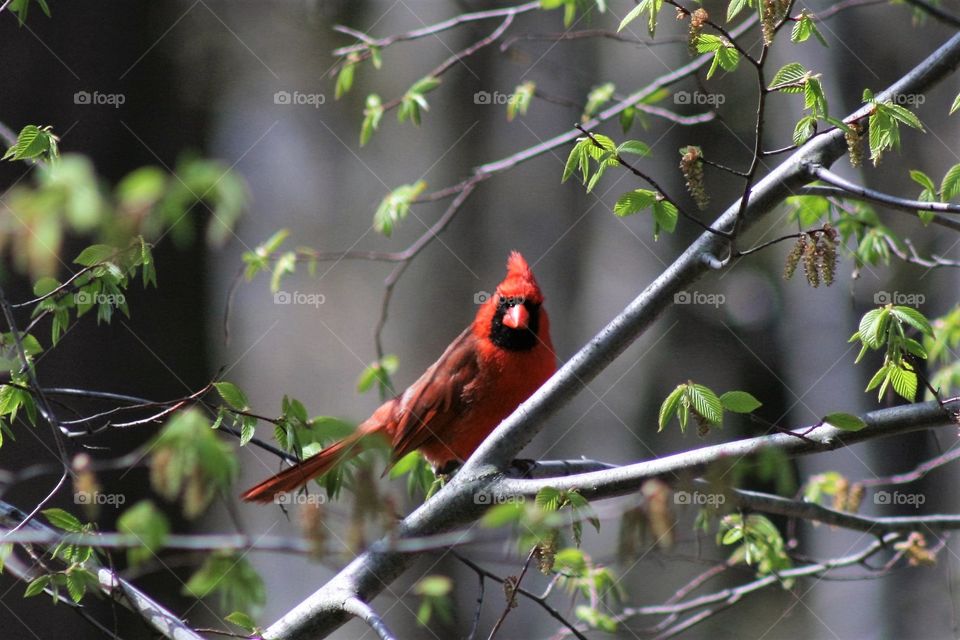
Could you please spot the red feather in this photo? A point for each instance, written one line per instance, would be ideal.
(478, 381)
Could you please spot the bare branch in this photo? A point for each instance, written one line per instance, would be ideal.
(446, 25)
(362, 610)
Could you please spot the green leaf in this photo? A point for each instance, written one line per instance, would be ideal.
(804, 130)
(873, 327)
(242, 620)
(671, 405)
(845, 421)
(372, 114)
(37, 586)
(904, 382)
(379, 371)
(232, 395)
(789, 79)
(735, 7)
(634, 202)
(433, 586)
(665, 217)
(904, 115)
(63, 520)
(950, 186)
(285, 264)
(33, 142)
(248, 429)
(148, 524)
(739, 402)
(805, 27)
(632, 15)
(955, 105)
(520, 101)
(395, 206)
(597, 97)
(914, 318)
(344, 80)
(95, 254)
(634, 147)
(548, 499)
(923, 180)
(706, 403)
(230, 575)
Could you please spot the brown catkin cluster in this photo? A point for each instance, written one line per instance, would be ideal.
(697, 19)
(855, 497)
(854, 138)
(691, 164)
(772, 13)
(793, 258)
(810, 267)
(841, 499)
(818, 253)
(916, 551)
(545, 553)
(827, 253)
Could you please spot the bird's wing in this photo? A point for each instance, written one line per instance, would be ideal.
(440, 396)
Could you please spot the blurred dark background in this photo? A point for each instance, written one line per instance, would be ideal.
(201, 76)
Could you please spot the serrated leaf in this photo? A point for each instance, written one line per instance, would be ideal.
(955, 105)
(548, 499)
(670, 406)
(845, 421)
(148, 524)
(232, 395)
(242, 620)
(95, 254)
(735, 7)
(63, 520)
(706, 403)
(793, 74)
(873, 326)
(634, 202)
(634, 147)
(36, 587)
(914, 318)
(950, 185)
(904, 382)
(905, 116)
(665, 217)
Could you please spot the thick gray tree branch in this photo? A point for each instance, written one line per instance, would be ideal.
(609, 483)
(454, 505)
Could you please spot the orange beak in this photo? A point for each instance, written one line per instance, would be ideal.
(517, 317)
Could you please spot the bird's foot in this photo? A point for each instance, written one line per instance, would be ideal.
(523, 468)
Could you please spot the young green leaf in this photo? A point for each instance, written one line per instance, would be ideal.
(739, 402)
(232, 395)
(844, 421)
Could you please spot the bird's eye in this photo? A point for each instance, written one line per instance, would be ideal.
(511, 301)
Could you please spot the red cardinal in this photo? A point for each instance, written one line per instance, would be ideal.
(493, 366)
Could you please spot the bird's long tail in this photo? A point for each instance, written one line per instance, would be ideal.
(301, 473)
